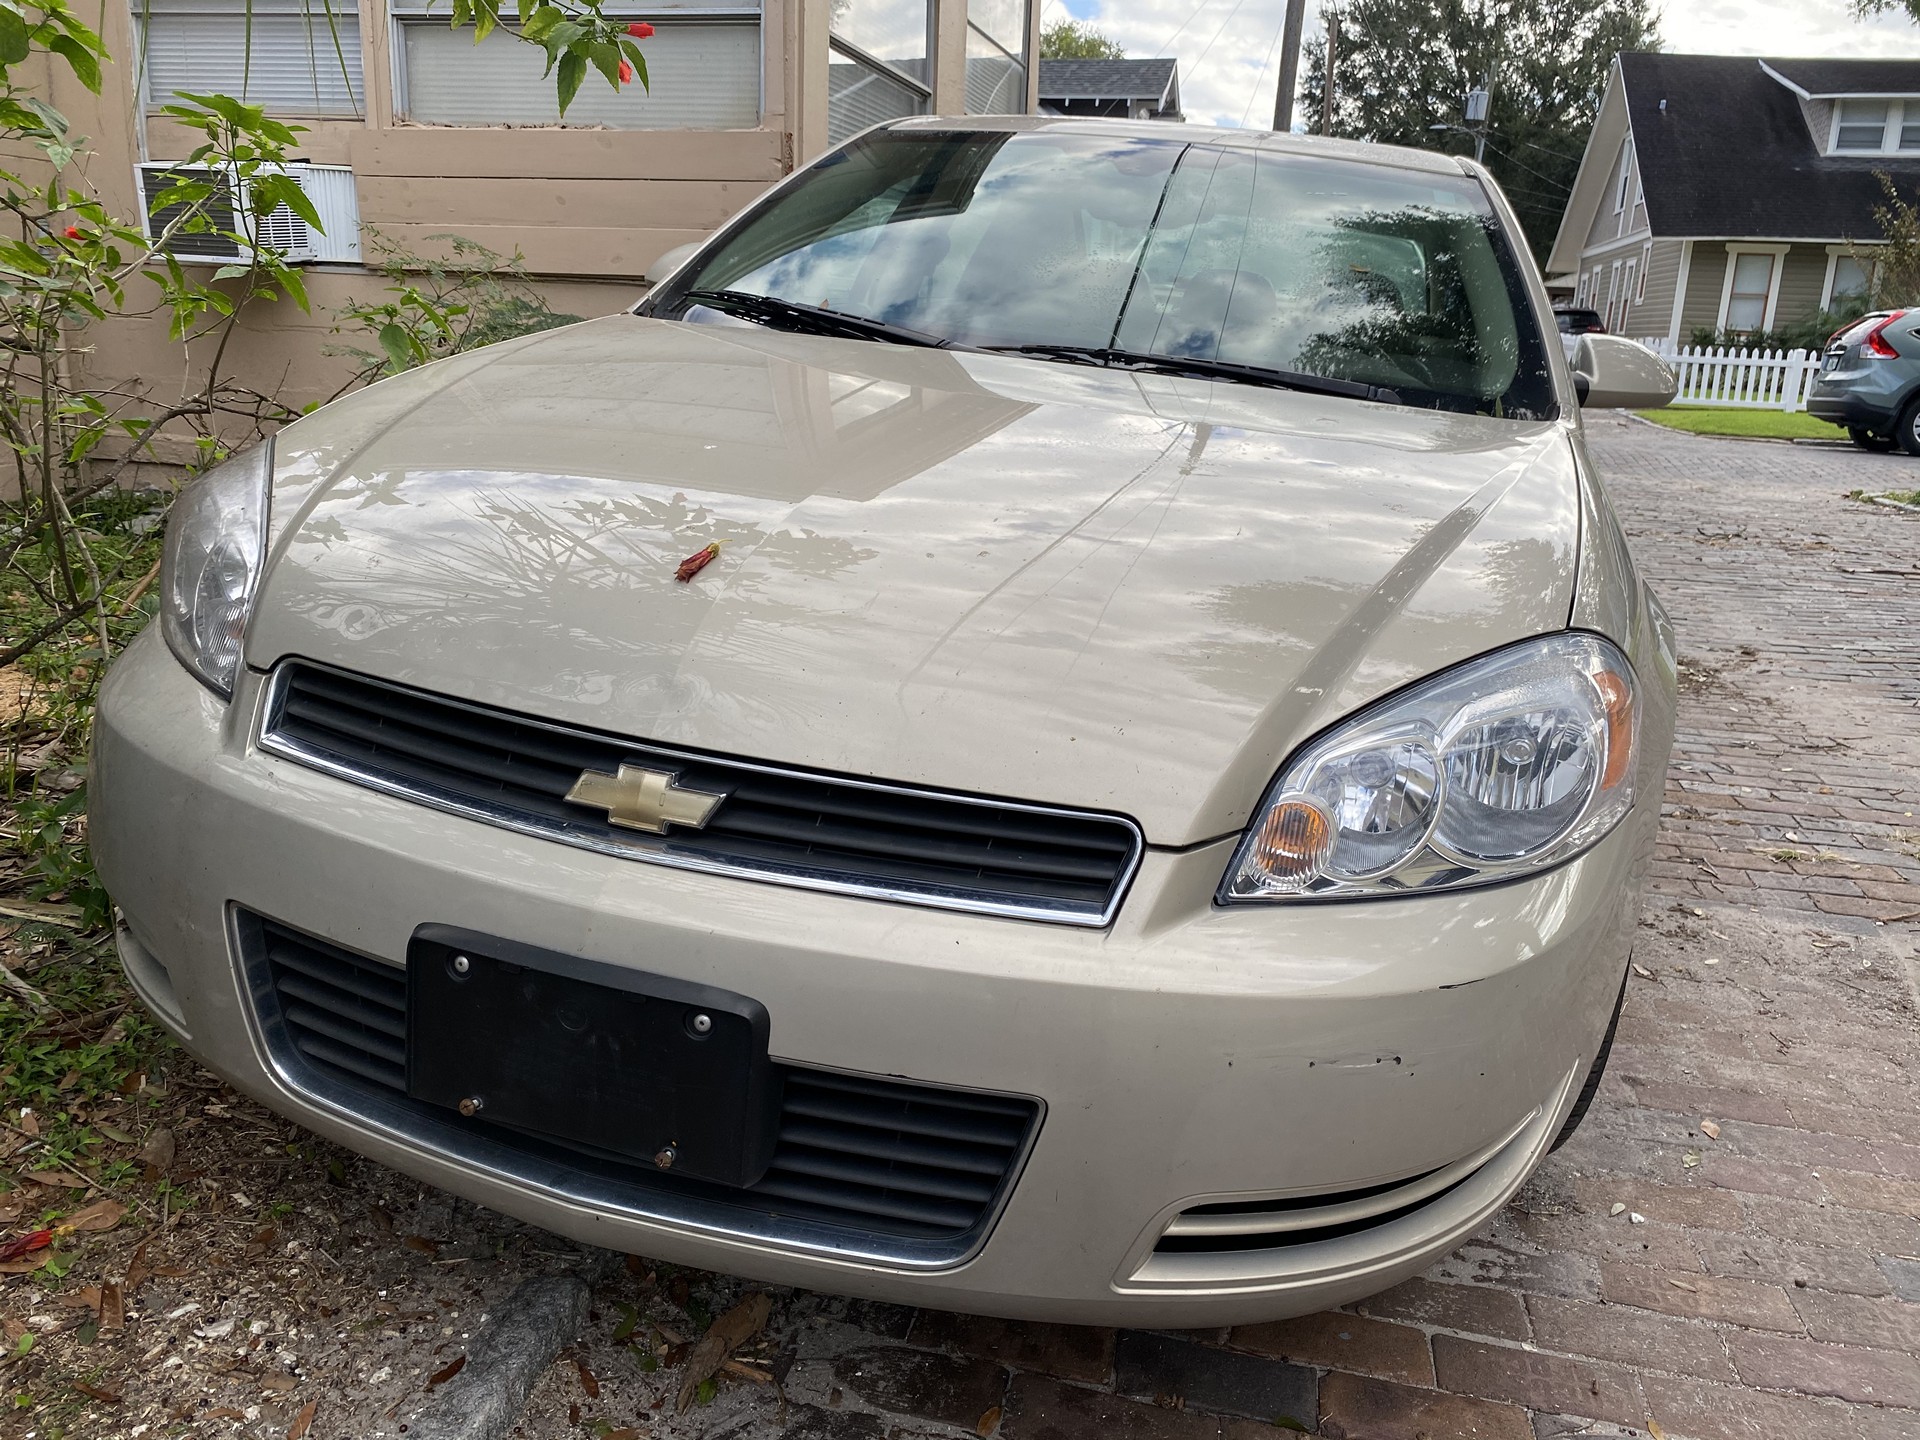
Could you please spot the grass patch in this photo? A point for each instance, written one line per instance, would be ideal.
(1755, 424)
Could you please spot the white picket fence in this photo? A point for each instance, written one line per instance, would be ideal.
(1745, 379)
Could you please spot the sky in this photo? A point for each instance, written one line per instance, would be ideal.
(1226, 47)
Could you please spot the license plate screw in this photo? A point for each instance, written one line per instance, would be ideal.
(666, 1155)
(472, 1105)
(702, 1024)
(461, 965)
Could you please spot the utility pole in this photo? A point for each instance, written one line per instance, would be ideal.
(1289, 65)
(1333, 52)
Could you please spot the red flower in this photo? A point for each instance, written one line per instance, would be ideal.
(626, 72)
(73, 232)
(640, 30)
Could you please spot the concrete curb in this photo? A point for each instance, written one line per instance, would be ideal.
(489, 1395)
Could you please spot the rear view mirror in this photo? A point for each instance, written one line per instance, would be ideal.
(1615, 374)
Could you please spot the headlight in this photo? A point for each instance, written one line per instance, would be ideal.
(1505, 766)
(216, 540)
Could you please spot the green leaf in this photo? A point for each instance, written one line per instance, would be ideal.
(271, 190)
(13, 37)
(542, 20)
(295, 287)
(82, 61)
(232, 272)
(573, 69)
(606, 59)
(483, 23)
(398, 344)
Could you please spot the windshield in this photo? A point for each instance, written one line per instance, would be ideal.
(1146, 247)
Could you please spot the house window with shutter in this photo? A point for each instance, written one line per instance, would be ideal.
(996, 57)
(295, 57)
(703, 73)
(878, 63)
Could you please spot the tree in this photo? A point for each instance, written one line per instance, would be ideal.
(1405, 66)
(1069, 39)
(1866, 9)
(1896, 259)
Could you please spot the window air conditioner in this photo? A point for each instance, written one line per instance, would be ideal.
(329, 187)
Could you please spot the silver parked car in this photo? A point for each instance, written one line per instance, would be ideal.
(1058, 725)
(1869, 381)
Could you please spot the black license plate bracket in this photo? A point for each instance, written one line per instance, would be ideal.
(640, 1066)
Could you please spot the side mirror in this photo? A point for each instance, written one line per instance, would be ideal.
(1615, 374)
(670, 261)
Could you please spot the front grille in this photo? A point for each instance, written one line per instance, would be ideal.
(793, 827)
(902, 1170)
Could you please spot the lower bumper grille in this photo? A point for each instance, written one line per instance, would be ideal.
(865, 1165)
(1269, 1225)
(813, 831)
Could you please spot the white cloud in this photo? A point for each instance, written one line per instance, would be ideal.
(1223, 45)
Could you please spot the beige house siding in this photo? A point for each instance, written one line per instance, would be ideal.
(1801, 280)
(1649, 317)
(1819, 118)
(588, 209)
(1608, 224)
(1706, 277)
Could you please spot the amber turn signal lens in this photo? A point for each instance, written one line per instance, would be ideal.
(1292, 843)
(1617, 696)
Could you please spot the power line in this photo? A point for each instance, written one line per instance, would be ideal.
(1193, 15)
(1191, 69)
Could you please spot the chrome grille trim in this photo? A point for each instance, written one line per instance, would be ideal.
(273, 739)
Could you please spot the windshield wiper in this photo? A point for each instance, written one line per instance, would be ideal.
(811, 319)
(1140, 360)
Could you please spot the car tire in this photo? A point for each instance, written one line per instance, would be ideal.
(1907, 433)
(1592, 1087)
(1869, 439)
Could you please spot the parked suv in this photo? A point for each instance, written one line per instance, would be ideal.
(1870, 381)
(1575, 321)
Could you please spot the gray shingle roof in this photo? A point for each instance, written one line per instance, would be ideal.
(1105, 79)
(1851, 77)
(1725, 153)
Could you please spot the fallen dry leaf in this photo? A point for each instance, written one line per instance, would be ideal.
(138, 1270)
(100, 1215)
(988, 1421)
(96, 1392)
(625, 1432)
(1642, 971)
(29, 1122)
(422, 1244)
(446, 1372)
(58, 1179)
(587, 1381)
(740, 1370)
(1655, 1430)
(1709, 1129)
(159, 1151)
(302, 1420)
(113, 1307)
(723, 1337)
(280, 1384)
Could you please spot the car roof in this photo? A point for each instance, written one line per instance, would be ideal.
(1396, 156)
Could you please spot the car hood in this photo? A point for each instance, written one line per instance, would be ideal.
(986, 573)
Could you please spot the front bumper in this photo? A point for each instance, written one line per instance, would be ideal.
(1186, 1055)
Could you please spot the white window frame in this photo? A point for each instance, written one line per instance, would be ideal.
(1898, 108)
(1646, 263)
(1626, 174)
(1613, 293)
(1779, 254)
(1835, 254)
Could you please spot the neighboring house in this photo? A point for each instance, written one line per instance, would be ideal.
(414, 129)
(1735, 194)
(1112, 89)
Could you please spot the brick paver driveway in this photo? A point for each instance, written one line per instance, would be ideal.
(1759, 1131)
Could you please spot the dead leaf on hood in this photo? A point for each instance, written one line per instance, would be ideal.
(723, 1337)
(1709, 1129)
(988, 1421)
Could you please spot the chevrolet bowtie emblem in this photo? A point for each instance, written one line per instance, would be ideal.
(643, 799)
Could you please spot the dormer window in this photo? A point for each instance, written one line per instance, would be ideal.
(1875, 127)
